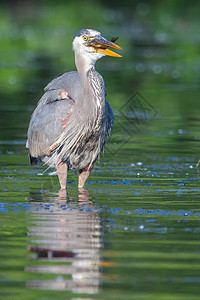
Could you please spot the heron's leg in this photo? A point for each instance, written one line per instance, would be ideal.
(83, 175)
(62, 174)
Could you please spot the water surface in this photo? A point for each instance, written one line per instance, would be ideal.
(133, 233)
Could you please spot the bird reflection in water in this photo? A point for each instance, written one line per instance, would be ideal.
(83, 195)
(70, 233)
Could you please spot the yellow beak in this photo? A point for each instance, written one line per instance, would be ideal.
(108, 52)
(101, 44)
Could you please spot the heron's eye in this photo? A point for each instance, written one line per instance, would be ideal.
(85, 38)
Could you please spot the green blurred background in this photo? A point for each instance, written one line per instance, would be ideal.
(160, 41)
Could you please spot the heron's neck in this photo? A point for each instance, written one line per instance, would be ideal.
(93, 84)
(83, 65)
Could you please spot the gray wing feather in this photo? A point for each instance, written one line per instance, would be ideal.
(69, 82)
(45, 125)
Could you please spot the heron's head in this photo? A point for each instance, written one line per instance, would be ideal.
(89, 44)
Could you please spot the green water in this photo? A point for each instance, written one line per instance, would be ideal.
(134, 232)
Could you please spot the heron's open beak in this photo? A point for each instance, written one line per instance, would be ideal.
(101, 44)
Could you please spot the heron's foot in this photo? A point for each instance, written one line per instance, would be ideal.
(62, 174)
(82, 190)
(62, 196)
(83, 195)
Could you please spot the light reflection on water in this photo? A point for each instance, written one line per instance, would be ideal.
(69, 238)
(102, 241)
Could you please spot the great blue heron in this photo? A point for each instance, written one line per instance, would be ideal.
(73, 120)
